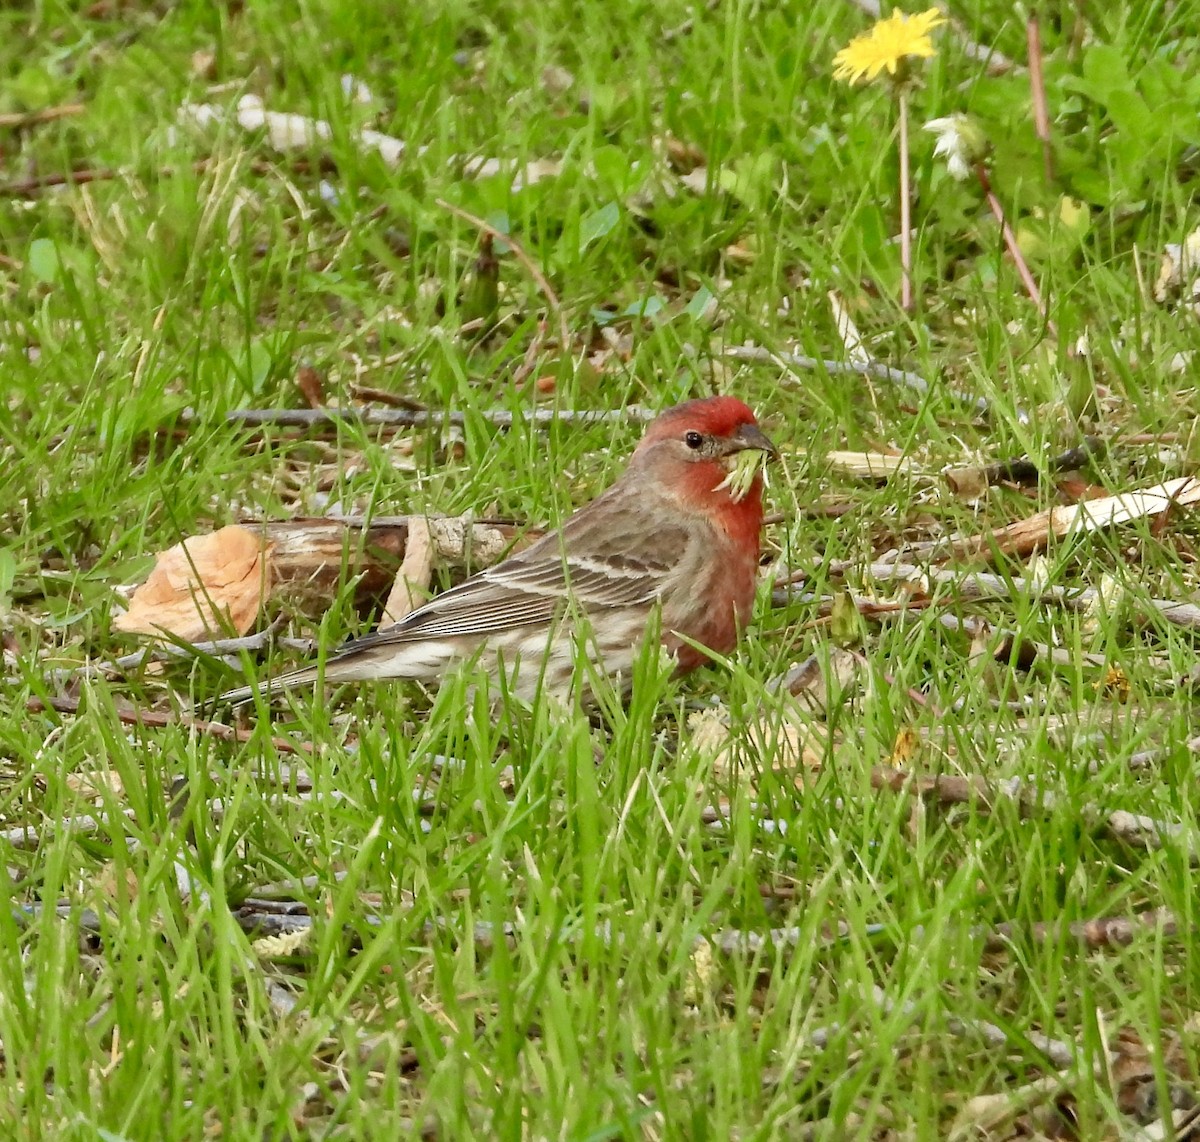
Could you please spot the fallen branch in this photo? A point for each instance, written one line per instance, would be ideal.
(1037, 91)
(417, 418)
(967, 480)
(19, 120)
(305, 560)
(170, 651)
(1055, 1050)
(30, 837)
(23, 188)
(1014, 647)
(685, 28)
(1014, 247)
(260, 916)
(1148, 758)
(1132, 829)
(788, 360)
(982, 586)
(311, 558)
(987, 1115)
(368, 394)
(1027, 536)
(1010, 645)
(1099, 934)
(1023, 470)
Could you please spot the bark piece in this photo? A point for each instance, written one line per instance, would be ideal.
(201, 588)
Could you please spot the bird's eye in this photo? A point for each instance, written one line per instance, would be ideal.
(693, 439)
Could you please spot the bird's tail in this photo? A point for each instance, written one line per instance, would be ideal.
(365, 660)
(244, 695)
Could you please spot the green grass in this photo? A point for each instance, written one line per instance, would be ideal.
(133, 1005)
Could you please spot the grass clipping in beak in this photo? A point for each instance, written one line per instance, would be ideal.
(744, 466)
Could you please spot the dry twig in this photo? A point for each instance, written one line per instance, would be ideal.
(1027, 536)
(685, 28)
(1024, 470)
(417, 418)
(18, 120)
(1132, 829)
(157, 720)
(982, 586)
(788, 360)
(1099, 934)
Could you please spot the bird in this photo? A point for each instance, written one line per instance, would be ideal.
(680, 530)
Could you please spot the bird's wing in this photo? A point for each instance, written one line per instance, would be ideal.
(599, 568)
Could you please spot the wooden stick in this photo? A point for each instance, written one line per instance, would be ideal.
(157, 720)
(311, 558)
(1132, 829)
(1096, 935)
(173, 652)
(1035, 532)
(1023, 470)
(261, 915)
(977, 586)
(23, 188)
(18, 120)
(416, 418)
(383, 396)
(914, 381)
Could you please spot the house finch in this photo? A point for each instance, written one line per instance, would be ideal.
(679, 529)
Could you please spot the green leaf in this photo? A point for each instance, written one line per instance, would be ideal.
(845, 623)
(594, 226)
(8, 576)
(501, 221)
(750, 180)
(1104, 71)
(699, 303)
(613, 171)
(43, 260)
(1074, 218)
(644, 307)
(35, 86)
(1130, 115)
(254, 363)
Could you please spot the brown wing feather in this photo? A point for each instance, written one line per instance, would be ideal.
(599, 568)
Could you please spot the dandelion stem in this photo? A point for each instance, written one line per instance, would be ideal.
(1010, 242)
(906, 289)
(1037, 87)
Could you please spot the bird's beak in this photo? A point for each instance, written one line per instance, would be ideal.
(741, 464)
(750, 436)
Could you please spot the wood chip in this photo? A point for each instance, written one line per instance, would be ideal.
(411, 587)
(201, 588)
(873, 465)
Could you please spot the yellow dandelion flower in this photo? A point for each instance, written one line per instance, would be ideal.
(887, 45)
(1115, 684)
